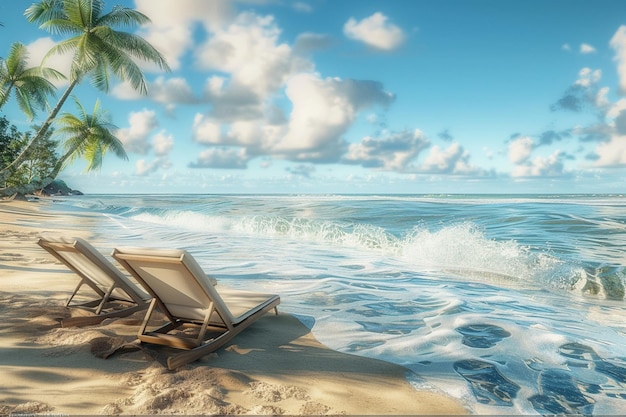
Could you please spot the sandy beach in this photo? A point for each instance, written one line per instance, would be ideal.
(274, 367)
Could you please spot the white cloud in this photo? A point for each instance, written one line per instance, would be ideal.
(392, 153)
(162, 144)
(249, 50)
(168, 92)
(612, 153)
(452, 160)
(175, 90)
(566, 47)
(322, 111)
(253, 134)
(38, 49)
(125, 91)
(618, 43)
(222, 158)
(520, 149)
(206, 130)
(173, 21)
(602, 97)
(617, 108)
(588, 77)
(135, 137)
(144, 168)
(585, 48)
(552, 166)
(375, 31)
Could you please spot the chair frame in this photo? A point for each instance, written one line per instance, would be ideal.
(106, 305)
(211, 334)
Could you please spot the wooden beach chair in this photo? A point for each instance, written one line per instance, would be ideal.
(117, 295)
(187, 297)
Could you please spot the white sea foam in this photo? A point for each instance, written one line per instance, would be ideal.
(448, 287)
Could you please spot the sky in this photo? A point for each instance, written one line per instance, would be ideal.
(361, 96)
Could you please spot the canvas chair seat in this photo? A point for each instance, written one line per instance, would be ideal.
(116, 294)
(183, 292)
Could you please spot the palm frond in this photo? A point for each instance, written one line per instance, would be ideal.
(123, 16)
(44, 11)
(89, 136)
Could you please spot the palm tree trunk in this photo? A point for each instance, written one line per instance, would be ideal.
(58, 166)
(5, 172)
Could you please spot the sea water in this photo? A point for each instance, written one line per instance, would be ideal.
(511, 304)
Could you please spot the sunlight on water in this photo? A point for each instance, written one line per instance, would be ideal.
(512, 305)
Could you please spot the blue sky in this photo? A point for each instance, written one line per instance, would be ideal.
(363, 96)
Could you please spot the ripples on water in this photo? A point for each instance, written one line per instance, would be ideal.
(514, 305)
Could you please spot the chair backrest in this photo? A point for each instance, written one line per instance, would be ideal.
(82, 258)
(175, 278)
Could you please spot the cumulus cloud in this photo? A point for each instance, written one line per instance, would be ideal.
(452, 160)
(618, 43)
(611, 154)
(144, 168)
(583, 93)
(375, 31)
(170, 31)
(206, 130)
(162, 144)
(250, 51)
(552, 166)
(392, 153)
(135, 137)
(322, 111)
(169, 92)
(222, 158)
(585, 48)
(588, 77)
(520, 149)
(38, 49)
(175, 90)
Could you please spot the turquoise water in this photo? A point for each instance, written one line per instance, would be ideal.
(512, 304)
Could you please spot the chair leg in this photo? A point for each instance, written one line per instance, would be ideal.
(69, 300)
(146, 319)
(205, 324)
(105, 298)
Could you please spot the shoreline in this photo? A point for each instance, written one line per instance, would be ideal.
(274, 367)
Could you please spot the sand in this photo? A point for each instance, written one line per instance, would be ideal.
(274, 367)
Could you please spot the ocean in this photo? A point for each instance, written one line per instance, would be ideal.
(513, 304)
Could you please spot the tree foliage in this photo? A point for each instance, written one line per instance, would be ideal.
(39, 163)
(88, 136)
(99, 50)
(31, 86)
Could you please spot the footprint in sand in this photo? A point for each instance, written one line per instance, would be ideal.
(482, 336)
(487, 383)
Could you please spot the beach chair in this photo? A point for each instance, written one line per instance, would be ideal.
(117, 295)
(189, 300)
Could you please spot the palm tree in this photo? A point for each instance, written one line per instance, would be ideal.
(98, 49)
(87, 136)
(30, 85)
